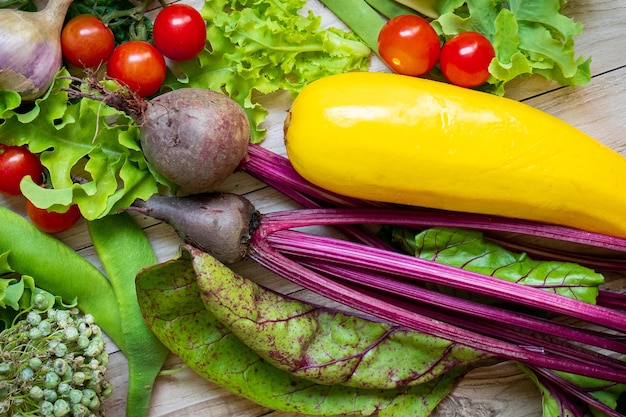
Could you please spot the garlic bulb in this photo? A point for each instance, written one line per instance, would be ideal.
(30, 48)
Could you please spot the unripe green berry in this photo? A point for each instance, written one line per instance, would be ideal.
(35, 363)
(79, 378)
(26, 374)
(50, 395)
(41, 302)
(61, 408)
(5, 368)
(46, 408)
(94, 404)
(35, 333)
(51, 380)
(85, 329)
(45, 327)
(70, 334)
(75, 396)
(33, 318)
(36, 393)
(79, 410)
(82, 341)
(64, 389)
(60, 367)
(52, 314)
(95, 347)
(88, 396)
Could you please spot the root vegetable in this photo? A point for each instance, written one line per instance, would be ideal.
(219, 224)
(194, 137)
(390, 285)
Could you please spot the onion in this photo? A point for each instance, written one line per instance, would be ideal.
(30, 48)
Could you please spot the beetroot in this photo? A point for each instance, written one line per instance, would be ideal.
(220, 224)
(194, 137)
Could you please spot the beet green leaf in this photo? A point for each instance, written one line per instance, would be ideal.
(169, 297)
(470, 250)
(324, 345)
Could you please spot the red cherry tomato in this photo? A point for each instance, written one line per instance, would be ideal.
(139, 65)
(16, 162)
(465, 59)
(86, 42)
(179, 32)
(409, 45)
(52, 222)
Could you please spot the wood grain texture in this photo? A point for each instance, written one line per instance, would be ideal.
(497, 391)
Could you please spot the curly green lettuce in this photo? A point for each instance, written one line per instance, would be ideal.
(91, 153)
(529, 37)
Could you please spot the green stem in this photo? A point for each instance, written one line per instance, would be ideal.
(360, 17)
(124, 250)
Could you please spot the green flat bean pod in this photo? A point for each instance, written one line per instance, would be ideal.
(57, 268)
(124, 250)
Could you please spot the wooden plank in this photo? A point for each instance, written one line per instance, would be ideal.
(597, 109)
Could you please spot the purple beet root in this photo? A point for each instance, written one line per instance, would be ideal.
(194, 137)
(220, 224)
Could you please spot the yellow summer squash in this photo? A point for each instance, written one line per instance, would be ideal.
(400, 139)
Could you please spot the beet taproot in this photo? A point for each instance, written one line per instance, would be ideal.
(220, 224)
(194, 137)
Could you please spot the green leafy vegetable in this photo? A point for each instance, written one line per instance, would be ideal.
(530, 37)
(332, 347)
(555, 404)
(92, 151)
(364, 20)
(470, 250)
(123, 249)
(60, 270)
(266, 48)
(169, 298)
(85, 140)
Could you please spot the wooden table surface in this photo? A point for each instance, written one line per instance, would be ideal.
(598, 108)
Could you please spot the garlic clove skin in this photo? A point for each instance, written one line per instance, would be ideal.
(30, 48)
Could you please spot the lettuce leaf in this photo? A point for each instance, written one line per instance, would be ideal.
(529, 37)
(84, 139)
(266, 46)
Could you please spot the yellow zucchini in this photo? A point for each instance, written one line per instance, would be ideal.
(392, 138)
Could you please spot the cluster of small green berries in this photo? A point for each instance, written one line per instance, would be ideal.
(53, 364)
